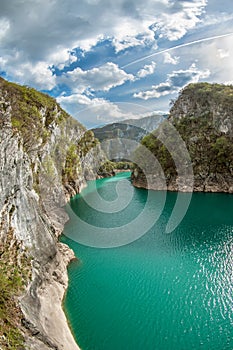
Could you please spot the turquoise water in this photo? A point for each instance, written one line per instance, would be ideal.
(161, 292)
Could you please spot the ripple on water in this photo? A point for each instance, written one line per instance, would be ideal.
(162, 292)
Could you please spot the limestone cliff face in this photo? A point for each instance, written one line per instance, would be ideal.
(45, 157)
(202, 117)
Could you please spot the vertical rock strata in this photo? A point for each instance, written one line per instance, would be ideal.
(202, 120)
(45, 157)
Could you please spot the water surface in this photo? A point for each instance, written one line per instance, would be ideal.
(161, 292)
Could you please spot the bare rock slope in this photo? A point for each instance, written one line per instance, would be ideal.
(45, 157)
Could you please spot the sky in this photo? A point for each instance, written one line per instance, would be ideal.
(110, 60)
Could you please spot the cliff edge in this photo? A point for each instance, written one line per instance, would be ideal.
(45, 157)
(194, 146)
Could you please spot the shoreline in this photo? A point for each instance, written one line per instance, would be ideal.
(117, 171)
(55, 331)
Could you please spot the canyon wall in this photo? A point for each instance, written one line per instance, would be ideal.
(45, 157)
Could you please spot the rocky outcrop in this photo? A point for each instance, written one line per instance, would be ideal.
(194, 146)
(45, 157)
(119, 140)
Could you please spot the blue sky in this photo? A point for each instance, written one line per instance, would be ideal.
(109, 60)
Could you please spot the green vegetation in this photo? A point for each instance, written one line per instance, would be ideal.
(152, 143)
(15, 272)
(72, 156)
(108, 168)
(72, 163)
(48, 167)
(210, 149)
(206, 94)
(203, 117)
(220, 91)
(123, 165)
(87, 142)
(76, 151)
(31, 113)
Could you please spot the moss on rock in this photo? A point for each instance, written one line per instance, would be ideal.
(15, 272)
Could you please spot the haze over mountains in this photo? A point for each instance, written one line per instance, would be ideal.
(119, 140)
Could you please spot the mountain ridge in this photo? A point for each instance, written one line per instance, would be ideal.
(120, 139)
(201, 123)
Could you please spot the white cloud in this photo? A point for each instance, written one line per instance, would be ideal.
(39, 28)
(213, 19)
(94, 111)
(62, 58)
(48, 31)
(157, 91)
(38, 35)
(130, 33)
(217, 56)
(38, 74)
(78, 99)
(169, 59)
(148, 69)
(223, 53)
(182, 17)
(44, 33)
(175, 81)
(88, 43)
(102, 109)
(102, 78)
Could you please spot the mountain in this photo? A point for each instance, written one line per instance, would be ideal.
(193, 148)
(45, 157)
(119, 140)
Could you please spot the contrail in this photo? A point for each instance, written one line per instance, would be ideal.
(177, 47)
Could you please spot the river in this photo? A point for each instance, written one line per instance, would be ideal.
(162, 291)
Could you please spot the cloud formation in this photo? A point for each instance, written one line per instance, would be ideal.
(169, 59)
(180, 18)
(95, 111)
(42, 31)
(148, 69)
(102, 78)
(174, 82)
(92, 53)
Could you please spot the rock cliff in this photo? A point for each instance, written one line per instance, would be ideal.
(45, 157)
(194, 147)
(119, 140)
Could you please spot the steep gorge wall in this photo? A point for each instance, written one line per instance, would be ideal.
(202, 120)
(45, 157)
